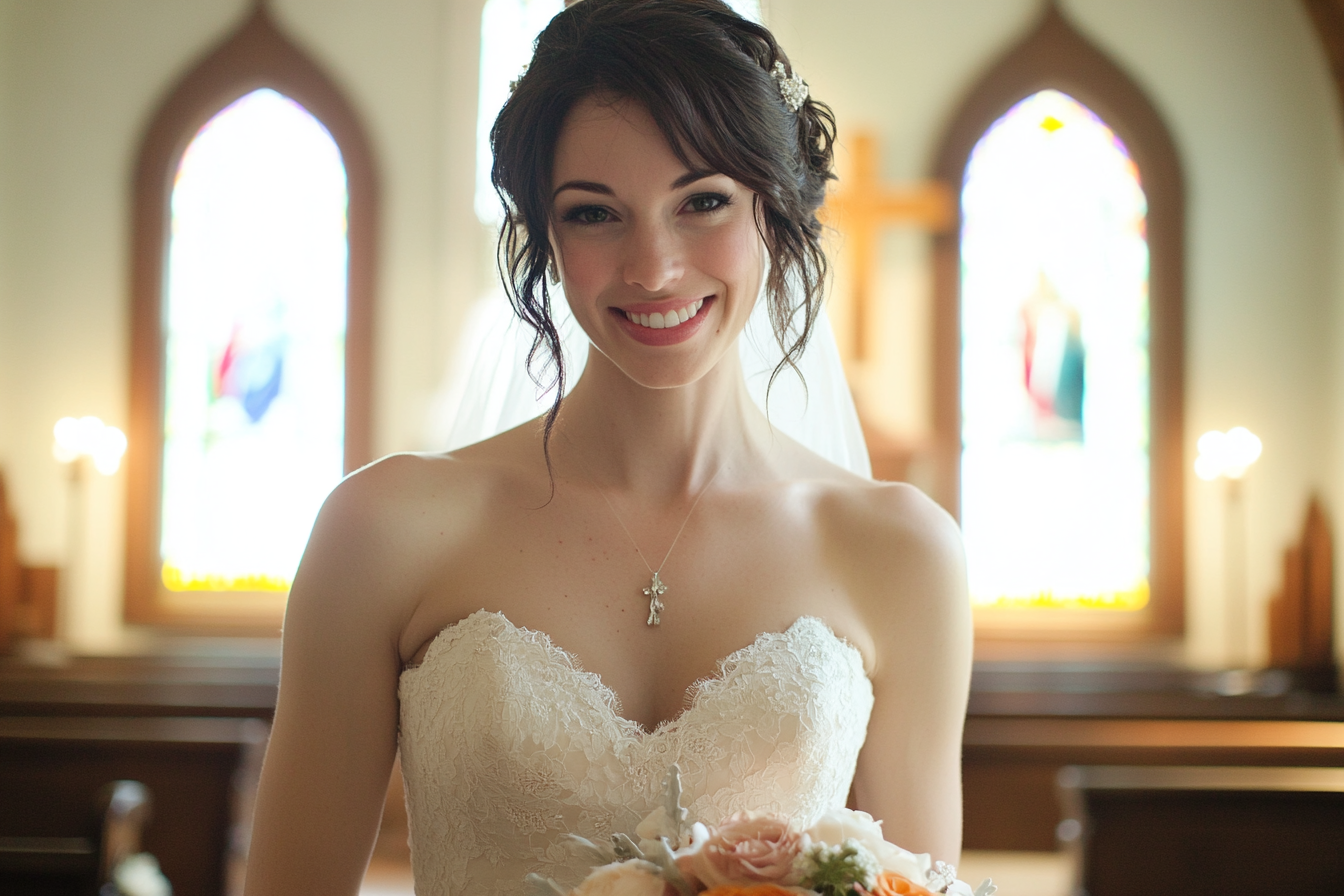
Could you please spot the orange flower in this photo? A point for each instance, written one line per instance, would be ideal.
(748, 890)
(889, 883)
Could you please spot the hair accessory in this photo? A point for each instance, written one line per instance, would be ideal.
(513, 85)
(791, 87)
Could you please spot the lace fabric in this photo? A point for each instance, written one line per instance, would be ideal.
(507, 744)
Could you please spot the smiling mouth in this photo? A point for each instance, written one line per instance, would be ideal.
(666, 320)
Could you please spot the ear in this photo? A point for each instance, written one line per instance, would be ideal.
(554, 264)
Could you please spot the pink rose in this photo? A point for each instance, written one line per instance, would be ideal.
(747, 848)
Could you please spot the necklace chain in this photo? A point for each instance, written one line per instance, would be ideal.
(656, 588)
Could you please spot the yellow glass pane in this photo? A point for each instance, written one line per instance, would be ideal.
(254, 410)
(1054, 308)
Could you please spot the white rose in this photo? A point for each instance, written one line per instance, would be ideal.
(838, 825)
(633, 878)
(658, 824)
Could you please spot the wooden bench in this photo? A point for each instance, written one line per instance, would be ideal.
(202, 772)
(1180, 830)
(78, 865)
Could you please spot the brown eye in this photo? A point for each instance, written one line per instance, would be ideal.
(707, 202)
(588, 214)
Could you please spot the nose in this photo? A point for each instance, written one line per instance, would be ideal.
(653, 258)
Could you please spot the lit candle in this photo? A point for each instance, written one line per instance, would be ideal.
(1227, 454)
(88, 437)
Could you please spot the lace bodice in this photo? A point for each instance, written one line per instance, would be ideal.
(507, 745)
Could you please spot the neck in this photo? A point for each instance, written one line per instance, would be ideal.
(662, 443)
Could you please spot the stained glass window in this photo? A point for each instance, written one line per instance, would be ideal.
(1054, 365)
(254, 404)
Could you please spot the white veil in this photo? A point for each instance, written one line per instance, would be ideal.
(492, 391)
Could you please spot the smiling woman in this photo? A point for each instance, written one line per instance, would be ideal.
(778, 149)
(662, 164)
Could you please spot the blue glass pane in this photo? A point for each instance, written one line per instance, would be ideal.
(1054, 308)
(254, 413)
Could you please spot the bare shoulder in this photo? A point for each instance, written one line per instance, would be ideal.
(389, 506)
(900, 557)
(387, 530)
(890, 525)
(389, 495)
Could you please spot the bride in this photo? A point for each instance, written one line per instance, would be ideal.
(651, 573)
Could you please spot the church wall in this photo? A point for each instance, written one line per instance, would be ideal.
(1244, 88)
(1242, 85)
(1251, 106)
(6, 377)
(81, 79)
(1335, 494)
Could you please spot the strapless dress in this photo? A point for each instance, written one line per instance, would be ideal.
(507, 744)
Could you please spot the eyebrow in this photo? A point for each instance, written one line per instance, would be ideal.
(591, 186)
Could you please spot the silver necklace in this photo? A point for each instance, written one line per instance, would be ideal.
(656, 588)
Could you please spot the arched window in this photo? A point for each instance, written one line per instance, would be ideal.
(1059, 345)
(1054, 362)
(252, 295)
(254, 373)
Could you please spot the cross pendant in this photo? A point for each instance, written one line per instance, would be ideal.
(654, 593)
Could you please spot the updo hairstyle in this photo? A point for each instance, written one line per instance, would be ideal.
(703, 73)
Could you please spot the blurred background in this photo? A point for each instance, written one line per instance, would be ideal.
(1088, 287)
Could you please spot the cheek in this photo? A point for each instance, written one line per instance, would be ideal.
(734, 256)
(588, 268)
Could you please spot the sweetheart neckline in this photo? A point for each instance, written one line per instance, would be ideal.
(691, 696)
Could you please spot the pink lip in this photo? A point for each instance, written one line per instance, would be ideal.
(650, 336)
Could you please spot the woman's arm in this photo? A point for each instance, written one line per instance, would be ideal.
(325, 776)
(908, 572)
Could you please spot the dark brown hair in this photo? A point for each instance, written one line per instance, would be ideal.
(703, 73)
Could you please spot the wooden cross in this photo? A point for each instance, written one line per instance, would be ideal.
(864, 205)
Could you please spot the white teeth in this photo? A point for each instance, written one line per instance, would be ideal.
(662, 321)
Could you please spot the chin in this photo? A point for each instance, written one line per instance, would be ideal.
(665, 372)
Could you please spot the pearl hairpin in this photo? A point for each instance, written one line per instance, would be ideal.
(791, 87)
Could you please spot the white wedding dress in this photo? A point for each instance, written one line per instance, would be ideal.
(507, 744)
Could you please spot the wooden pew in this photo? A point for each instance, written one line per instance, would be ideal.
(78, 865)
(1023, 728)
(191, 726)
(1177, 830)
(201, 771)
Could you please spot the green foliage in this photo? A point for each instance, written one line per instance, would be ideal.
(834, 870)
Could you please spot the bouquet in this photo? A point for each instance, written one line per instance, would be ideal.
(752, 854)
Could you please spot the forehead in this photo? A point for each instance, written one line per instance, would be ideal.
(605, 138)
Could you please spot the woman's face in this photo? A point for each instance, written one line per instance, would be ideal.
(661, 264)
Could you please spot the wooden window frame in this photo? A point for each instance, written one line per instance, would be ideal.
(257, 55)
(1055, 55)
